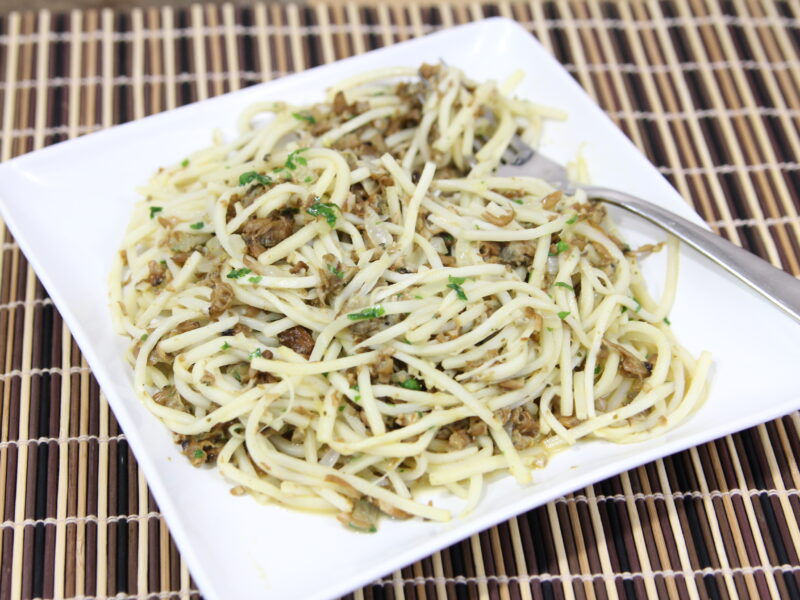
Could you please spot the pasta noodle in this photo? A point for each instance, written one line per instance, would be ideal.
(345, 307)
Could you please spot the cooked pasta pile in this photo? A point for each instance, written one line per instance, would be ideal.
(345, 307)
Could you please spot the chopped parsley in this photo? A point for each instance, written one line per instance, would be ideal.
(185, 162)
(561, 246)
(597, 370)
(254, 279)
(246, 178)
(563, 314)
(565, 285)
(302, 117)
(254, 354)
(411, 384)
(667, 321)
(198, 225)
(624, 308)
(144, 337)
(295, 159)
(517, 200)
(199, 454)
(225, 345)
(335, 271)
(324, 209)
(372, 312)
(238, 273)
(154, 210)
(341, 408)
(308, 179)
(572, 220)
(455, 284)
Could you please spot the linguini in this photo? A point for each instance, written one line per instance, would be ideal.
(344, 307)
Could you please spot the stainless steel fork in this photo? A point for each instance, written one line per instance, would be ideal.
(777, 286)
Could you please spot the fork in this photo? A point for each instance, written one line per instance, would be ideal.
(775, 285)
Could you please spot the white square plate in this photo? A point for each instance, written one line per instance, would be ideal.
(69, 204)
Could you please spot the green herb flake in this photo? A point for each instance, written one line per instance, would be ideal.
(624, 308)
(246, 178)
(185, 162)
(420, 414)
(307, 118)
(561, 246)
(572, 220)
(516, 200)
(563, 314)
(565, 285)
(335, 271)
(667, 321)
(199, 454)
(324, 209)
(154, 210)
(357, 398)
(308, 179)
(411, 384)
(144, 337)
(238, 273)
(341, 408)
(237, 377)
(198, 225)
(295, 159)
(455, 284)
(372, 312)
(254, 279)
(354, 387)
(254, 354)
(597, 370)
(225, 346)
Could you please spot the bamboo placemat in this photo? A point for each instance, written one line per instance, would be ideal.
(710, 94)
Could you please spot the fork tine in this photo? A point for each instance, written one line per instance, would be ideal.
(517, 153)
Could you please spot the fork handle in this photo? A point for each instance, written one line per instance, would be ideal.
(775, 285)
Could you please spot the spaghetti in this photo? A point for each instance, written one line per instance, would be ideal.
(344, 307)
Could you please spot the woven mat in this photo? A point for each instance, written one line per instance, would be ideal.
(709, 94)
